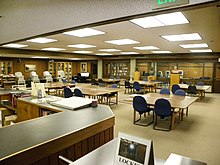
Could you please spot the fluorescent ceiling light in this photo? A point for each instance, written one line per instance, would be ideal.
(103, 54)
(162, 51)
(129, 53)
(182, 37)
(39, 57)
(204, 45)
(122, 42)
(146, 47)
(84, 32)
(81, 46)
(161, 20)
(53, 49)
(82, 51)
(109, 50)
(15, 45)
(200, 50)
(41, 40)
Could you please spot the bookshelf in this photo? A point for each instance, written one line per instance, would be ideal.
(121, 69)
(54, 67)
(6, 67)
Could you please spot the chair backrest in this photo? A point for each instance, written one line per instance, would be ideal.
(68, 92)
(180, 92)
(191, 89)
(114, 86)
(200, 83)
(175, 87)
(137, 86)
(165, 91)
(162, 108)
(145, 79)
(140, 104)
(118, 77)
(78, 92)
(127, 84)
(111, 77)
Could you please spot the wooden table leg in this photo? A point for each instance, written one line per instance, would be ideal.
(173, 119)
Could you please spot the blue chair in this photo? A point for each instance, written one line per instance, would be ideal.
(128, 86)
(200, 83)
(137, 87)
(73, 82)
(64, 80)
(111, 77)
(180, 92)
(112, 95)
(175, 87)
(68, 92)
(165, 91)
(118, 77)
(163, 109)
(192, 91)
(78, 92)
(140, 106)
(145, 79)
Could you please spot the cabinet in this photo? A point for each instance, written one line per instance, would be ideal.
(26, 111)
(6, 67)
(7, 81)
(121, 69)
(54, 67)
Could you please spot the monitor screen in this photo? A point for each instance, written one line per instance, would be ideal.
(85, 74)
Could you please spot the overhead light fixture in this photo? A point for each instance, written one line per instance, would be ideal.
(129, 53)
(146, 47)
(182, 37)
(53, 49)
(123, 42)
(162, 51)
(203, 45)
(200, 50)
(103, 54)
(41, 40)
(39, 57)
(109, 50)
(161, 20)
(82, 51)
(15, 45)
(81, 46)
(84, 32)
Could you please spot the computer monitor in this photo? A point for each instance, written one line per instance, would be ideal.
(84, 74)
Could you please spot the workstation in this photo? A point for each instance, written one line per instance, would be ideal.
(45, 60)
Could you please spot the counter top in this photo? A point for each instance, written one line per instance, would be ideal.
(29, 134)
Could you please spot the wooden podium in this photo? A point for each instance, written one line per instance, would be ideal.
(174, 79)
(137, 75)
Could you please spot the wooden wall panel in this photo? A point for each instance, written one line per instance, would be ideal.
(19, 66)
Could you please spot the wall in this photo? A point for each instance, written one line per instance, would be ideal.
(19, 66)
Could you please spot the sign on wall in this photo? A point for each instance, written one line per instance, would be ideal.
(156, 4)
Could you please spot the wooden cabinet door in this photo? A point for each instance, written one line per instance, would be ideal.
(26, 111)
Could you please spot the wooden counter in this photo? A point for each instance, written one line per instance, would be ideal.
(68, 133)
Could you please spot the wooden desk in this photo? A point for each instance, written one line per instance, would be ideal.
(110, 81)
(181, 102)
(95, 92)
(201, 89)
(152, 85)
(68, 133)
(56, 86)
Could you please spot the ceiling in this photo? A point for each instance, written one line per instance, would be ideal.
(205, 21)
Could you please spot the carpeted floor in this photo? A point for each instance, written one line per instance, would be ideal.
(197, 136)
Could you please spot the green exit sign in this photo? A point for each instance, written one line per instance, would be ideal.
(156, 4)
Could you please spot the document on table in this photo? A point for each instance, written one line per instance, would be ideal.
(73, 103)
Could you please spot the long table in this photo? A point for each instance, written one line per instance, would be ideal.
(67, 133)
(180, 102)
(56, 85)
(152, 85)
(97, 92)
(201, 89)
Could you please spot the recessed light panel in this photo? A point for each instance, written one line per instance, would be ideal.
(129, 53)
(81, 46)
(200, 50)
(15, 45)
(182, 37)
(41, 40)
(161, 20)
(162, 51)
(123, 42)
(84, 32)
(53, 49)
(203, 45)
(83, 51)
(146, 47)
(109, 50)
(103, 54)
(39, 57)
